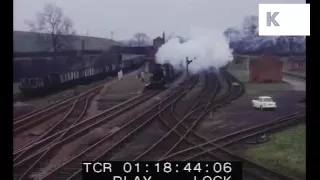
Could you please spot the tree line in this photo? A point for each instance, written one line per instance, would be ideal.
(54, 30)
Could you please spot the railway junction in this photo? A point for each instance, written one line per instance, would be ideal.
(204, 116)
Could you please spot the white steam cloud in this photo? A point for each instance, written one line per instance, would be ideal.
(209, 47)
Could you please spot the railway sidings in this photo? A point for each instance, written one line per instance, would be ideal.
(177, 140)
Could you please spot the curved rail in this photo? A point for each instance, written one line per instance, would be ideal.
(34, 119)
(78, 129)
(58, 126)
(254, 130)
(186, 128)
(48, 107)
(167, 135)
(32, 165)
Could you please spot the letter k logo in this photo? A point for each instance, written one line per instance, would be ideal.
(271, 18)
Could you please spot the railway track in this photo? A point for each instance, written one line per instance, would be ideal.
(57, 121)
(188, 130)
(76, 130)
(194, 138)
(105, 147)
(50, 106)
(72, 117)
(170, 140)
(40, 116)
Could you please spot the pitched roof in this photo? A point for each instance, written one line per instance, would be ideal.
(263, 56)
(297, 58)
(158, 38)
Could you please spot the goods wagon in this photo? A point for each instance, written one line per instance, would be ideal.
(41, 86)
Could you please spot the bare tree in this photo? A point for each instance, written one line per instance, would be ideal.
(139, 39)
(54, 30)
(250, 25)
(232, 34)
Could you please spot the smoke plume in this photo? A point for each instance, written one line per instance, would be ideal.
(207, 48)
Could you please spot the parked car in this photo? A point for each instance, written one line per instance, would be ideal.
(264, 102)
(235, 84)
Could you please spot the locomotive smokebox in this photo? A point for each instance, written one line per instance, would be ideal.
(163, 74)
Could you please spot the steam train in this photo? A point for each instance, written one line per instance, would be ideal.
(162, 76)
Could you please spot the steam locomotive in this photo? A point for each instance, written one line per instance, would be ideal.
(162, 76)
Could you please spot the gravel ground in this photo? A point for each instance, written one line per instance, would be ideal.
(33, 133)
(109, 97)
(300, 73)
(297, 84)
(121, 91)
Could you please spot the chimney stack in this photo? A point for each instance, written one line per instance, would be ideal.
(164, 37)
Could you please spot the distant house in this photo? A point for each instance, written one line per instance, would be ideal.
(297, 63)
(239, 59)
(158, 42)
(265, 68)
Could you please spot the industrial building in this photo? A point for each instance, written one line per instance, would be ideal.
(297, 63)
(265, 69)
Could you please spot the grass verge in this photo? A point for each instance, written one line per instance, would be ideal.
(284, 153)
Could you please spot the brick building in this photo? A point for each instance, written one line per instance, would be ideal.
(297, 63)
(265, 68)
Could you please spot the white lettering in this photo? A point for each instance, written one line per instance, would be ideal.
(95, 169)
(216, 177)
(206, 178)
(107, 166)
(119, 178)
(213, 178)
(143, 177)
(127, 167)
(87, 166)
(147, 178)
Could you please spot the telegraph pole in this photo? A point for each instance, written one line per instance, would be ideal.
(187, 64)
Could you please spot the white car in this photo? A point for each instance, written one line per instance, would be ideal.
(235, 84)
(264, 102)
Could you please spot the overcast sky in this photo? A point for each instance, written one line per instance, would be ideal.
(125, 17)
